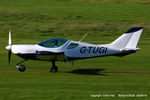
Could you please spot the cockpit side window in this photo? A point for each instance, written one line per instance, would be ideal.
(53, 43)
(72, 45)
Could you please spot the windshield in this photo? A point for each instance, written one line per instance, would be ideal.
(53, 43)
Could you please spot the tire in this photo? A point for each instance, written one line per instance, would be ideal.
(53, 69)
(22, 68)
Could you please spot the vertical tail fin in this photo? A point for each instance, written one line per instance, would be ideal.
(129, 39)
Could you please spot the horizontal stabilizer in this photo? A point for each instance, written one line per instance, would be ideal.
(126, 51)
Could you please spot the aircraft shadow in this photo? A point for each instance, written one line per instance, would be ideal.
(88, 71)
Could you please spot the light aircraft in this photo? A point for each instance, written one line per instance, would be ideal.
(61, 49)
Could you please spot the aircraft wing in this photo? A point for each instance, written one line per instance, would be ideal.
(47, 55)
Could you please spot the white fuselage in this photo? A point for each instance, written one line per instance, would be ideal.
(82, 51)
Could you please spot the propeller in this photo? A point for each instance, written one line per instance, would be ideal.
(9, 47)
(9, 56)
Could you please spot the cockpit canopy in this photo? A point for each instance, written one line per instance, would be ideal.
(53, 43)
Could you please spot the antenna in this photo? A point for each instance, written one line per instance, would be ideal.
(83, 37)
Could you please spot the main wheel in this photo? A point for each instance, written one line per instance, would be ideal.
(22, 68)
(54, 69)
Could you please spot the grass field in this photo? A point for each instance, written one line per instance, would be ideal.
(32, 21)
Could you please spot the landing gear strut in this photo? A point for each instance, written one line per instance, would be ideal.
(54, 68)
(21, 68)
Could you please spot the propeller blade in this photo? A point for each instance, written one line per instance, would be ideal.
(9, 41)
(9, 56)
(9, 47)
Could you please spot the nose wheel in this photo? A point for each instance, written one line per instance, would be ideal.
(21, 68)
